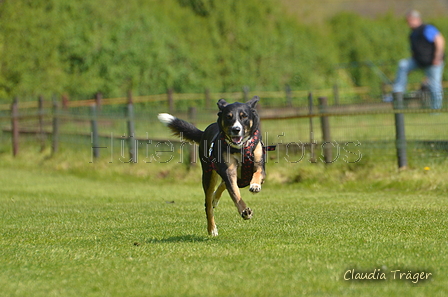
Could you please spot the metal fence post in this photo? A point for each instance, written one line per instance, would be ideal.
(400, 136)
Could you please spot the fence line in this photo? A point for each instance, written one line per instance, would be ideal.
(336, 92)
(324, 112)
(277, 113)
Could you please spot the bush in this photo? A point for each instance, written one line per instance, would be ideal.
(83, 47)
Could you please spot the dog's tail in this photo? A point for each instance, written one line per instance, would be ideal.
(181, 127)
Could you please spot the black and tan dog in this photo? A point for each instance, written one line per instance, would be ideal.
(229, 149)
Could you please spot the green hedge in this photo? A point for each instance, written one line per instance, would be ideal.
(83, 47)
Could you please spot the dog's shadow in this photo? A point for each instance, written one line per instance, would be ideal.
(180, 238)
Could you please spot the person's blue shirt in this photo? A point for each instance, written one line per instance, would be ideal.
(430, 33)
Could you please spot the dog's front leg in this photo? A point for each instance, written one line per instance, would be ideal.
(229, 176)
(259, 173)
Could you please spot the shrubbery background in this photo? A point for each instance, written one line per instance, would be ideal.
(82, 47)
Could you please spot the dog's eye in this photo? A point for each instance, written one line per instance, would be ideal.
(229, 116)
(243, 115)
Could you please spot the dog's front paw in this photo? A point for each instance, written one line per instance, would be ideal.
(214, 232)
(255, 188)
(247, 214)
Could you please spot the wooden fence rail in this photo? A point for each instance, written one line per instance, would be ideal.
(170, 97)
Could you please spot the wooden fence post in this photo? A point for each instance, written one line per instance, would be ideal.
(41, 132)
(65, 101)
(15, 126)
(207, 98)
(170, 100)
(312, 141)
(192, 119)
(288, 95)
(55, 140)
(400, 135)
(383, 89)
(246, 93)
(258, 109)
(94, 126)
(325, 126)
(98, 99)
(336, 94)
(131, 130)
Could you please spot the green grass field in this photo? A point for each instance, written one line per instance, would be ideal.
(79, 229)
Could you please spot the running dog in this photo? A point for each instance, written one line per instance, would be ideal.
(230, 149)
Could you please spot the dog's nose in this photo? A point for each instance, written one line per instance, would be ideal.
(236, 129)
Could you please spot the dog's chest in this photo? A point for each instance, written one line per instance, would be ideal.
(236, 160)
(231, 161)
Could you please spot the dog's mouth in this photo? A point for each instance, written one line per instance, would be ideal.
(237, 139)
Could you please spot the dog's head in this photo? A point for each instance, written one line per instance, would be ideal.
(238, 121)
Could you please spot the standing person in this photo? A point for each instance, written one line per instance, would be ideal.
(428, 50)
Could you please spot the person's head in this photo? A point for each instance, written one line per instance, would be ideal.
(414, 19)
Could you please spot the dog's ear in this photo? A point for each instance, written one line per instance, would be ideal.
(252, 102)
(222, 103)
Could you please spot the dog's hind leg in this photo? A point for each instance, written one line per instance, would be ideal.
(217, 194)
(209, 180)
